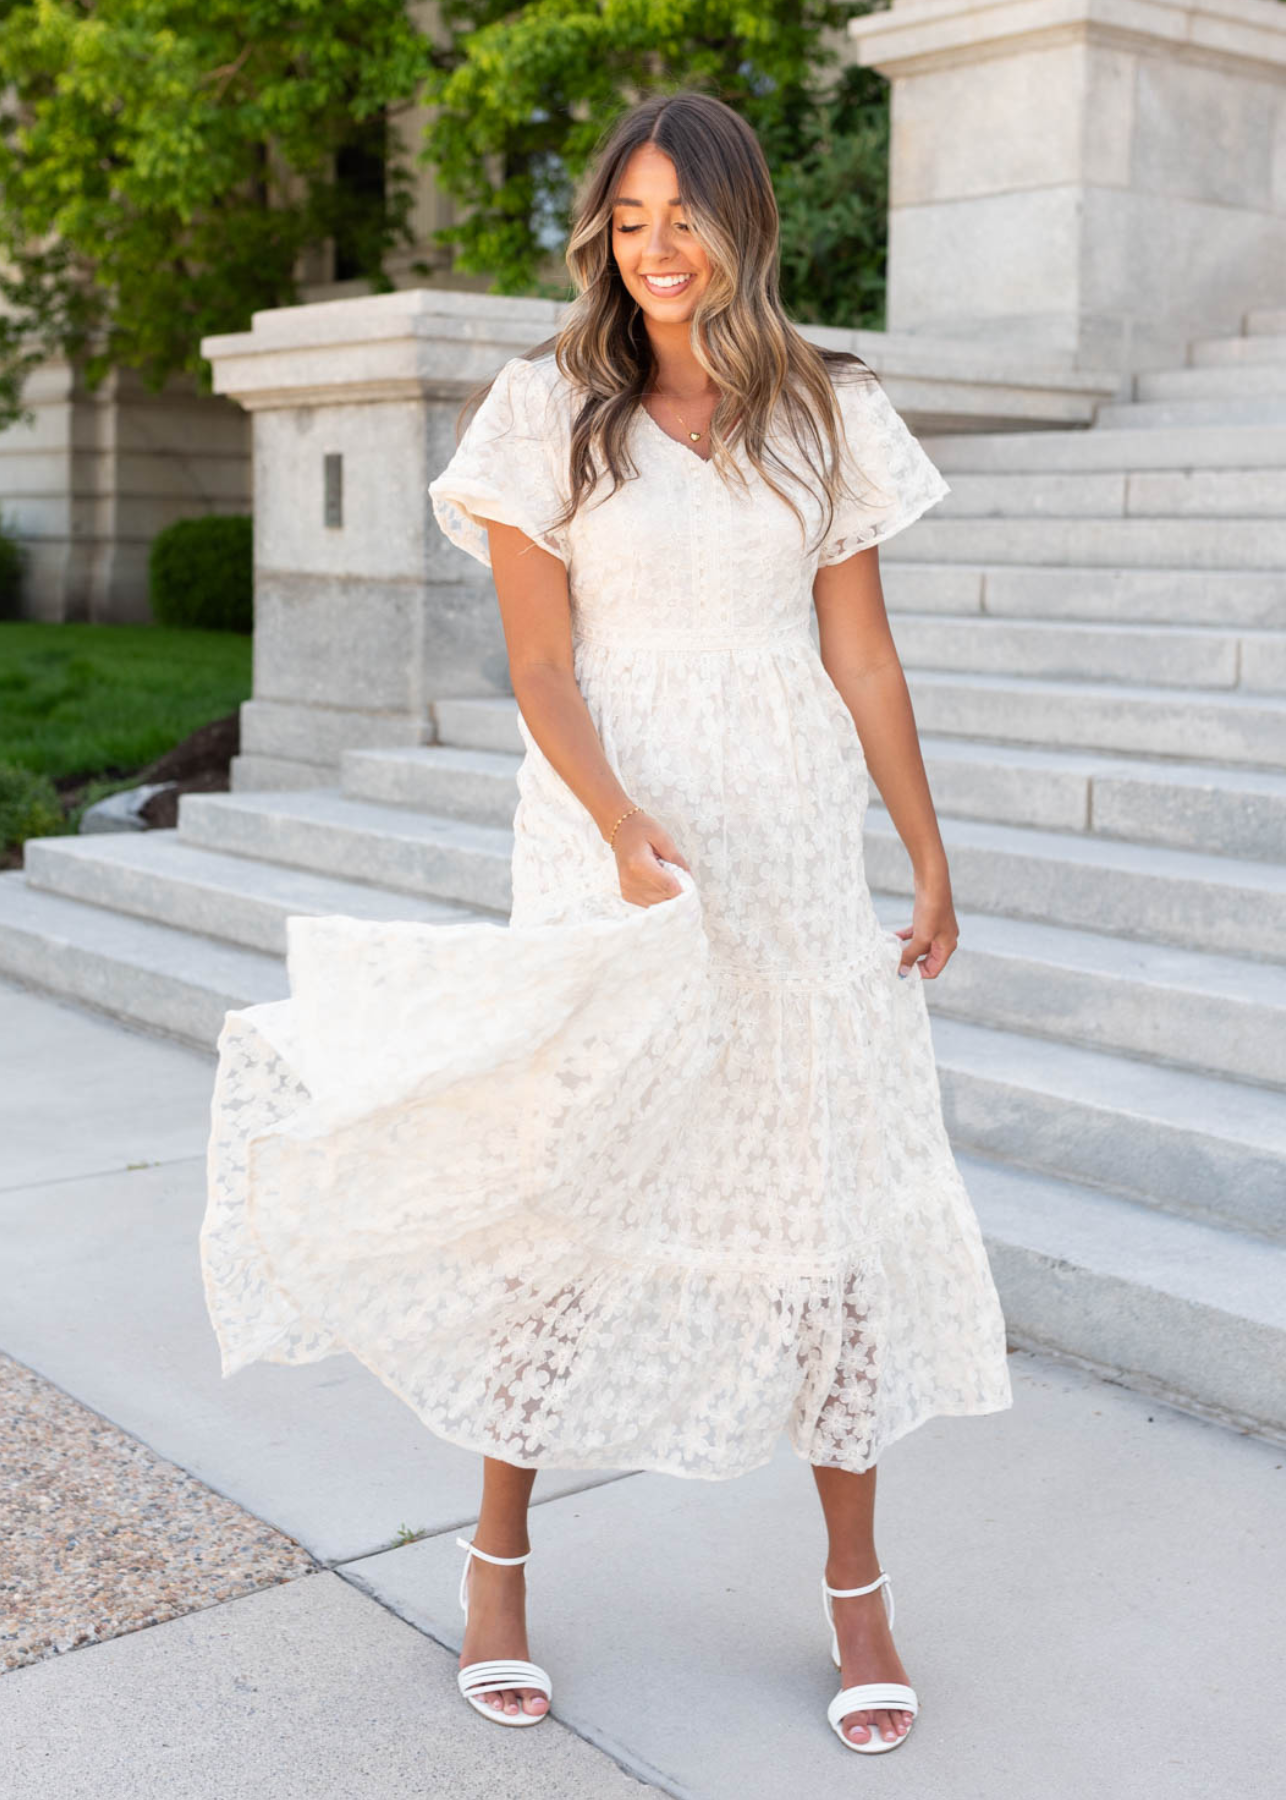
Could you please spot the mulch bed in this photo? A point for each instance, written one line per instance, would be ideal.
(199, 765)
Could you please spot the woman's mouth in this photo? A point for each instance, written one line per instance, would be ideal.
(665, 285)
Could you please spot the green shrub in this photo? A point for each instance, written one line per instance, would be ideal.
(10, 574)
(201, 573)
(28, 806)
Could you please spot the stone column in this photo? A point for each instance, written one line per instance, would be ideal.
(364, 613)
(1100, 178)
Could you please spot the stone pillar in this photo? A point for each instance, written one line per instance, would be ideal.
(1104, 179)
(364, 613)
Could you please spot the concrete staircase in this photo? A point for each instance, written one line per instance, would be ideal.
(1094, 630)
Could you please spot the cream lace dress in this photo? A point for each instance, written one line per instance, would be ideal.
(621, 1186)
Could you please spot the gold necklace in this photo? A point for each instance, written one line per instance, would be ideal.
(696, 436)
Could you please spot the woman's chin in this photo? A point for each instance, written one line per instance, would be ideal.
(666, 312)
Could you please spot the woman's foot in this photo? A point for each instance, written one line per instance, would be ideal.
(866, 1652)
(497, 1626)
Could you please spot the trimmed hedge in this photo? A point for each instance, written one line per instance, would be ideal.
(201, 573)
(10, 574)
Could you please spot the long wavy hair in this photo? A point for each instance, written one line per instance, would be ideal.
(766, 371)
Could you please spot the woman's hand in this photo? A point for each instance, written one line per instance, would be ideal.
(933, 929)
(641, 841)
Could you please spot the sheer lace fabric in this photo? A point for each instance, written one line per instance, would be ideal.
(617, 1186)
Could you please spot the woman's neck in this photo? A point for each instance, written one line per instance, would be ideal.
(677, 370)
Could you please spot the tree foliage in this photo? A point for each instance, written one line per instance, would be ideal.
(522, 94)
(164, 162)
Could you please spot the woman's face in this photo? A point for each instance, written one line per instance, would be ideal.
(658, 254)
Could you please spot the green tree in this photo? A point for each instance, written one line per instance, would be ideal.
(521, 95)
(164, 162)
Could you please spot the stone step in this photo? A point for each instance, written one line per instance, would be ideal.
(445, 779)
(1070, 877)
(486, 723)
(1138, 543)
(1193, 1144)
(1103, 716)
(1212, 1011)
(1135, 415)
(1189, 806)
(383, 846)
(1159, 655)
(1220, 352)
(1227, 598)
(1088, 886)
(1270, 320)
(1225, 381)
(147, 974)
(1187, 444)
(1187, 1311)
(1132, 494)
(156, 875)
(1218, 1015)
(1141, 891)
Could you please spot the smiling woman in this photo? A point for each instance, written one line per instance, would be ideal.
(660, 1172)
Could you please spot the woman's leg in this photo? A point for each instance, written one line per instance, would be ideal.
(497, 1625)
(861, 1622)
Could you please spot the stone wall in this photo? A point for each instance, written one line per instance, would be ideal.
(90, 482)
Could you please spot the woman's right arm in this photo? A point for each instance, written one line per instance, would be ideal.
(535, 611)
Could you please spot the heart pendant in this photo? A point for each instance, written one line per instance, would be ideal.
(695, 436)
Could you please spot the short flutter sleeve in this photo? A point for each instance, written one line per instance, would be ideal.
(890, 475)
(504, 467)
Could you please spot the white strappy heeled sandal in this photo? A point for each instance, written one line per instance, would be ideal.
(868, 1696)
(501, 1672)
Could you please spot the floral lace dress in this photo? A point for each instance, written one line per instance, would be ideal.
(620, 1186)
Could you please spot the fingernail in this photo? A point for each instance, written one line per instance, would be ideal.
(901, 974)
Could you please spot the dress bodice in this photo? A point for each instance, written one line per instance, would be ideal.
(679, 553)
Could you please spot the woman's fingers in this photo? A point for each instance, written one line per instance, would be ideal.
(641, 845)
(912, 953)
(935, 953)
(665, 846)
(935, 960)
(644, 881)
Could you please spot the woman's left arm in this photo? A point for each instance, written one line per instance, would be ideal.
(860, 656)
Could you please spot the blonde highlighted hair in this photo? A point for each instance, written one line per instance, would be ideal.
(766, 371)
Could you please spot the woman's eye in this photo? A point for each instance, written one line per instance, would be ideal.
(679, 226)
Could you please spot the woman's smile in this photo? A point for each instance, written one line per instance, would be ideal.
(667, 284)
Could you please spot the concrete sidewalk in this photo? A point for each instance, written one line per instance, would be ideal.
(1086, 1584)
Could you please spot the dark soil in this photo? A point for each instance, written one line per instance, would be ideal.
(199, 765)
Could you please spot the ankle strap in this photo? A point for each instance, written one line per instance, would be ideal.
(848, 1593)
(486, 1554)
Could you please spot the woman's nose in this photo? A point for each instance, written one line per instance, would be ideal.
(659, 242)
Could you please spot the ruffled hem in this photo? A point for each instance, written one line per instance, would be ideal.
(511, 1170)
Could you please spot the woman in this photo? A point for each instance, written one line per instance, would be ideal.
(661, 1170)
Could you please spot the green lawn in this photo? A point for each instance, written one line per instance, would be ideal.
(80, 700)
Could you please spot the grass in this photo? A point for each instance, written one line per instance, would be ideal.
(86, 700)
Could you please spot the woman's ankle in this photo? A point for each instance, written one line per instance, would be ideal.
(852, 1568)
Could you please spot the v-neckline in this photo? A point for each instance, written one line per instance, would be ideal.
(681, 448)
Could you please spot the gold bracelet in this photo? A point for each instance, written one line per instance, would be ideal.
(611, 842)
